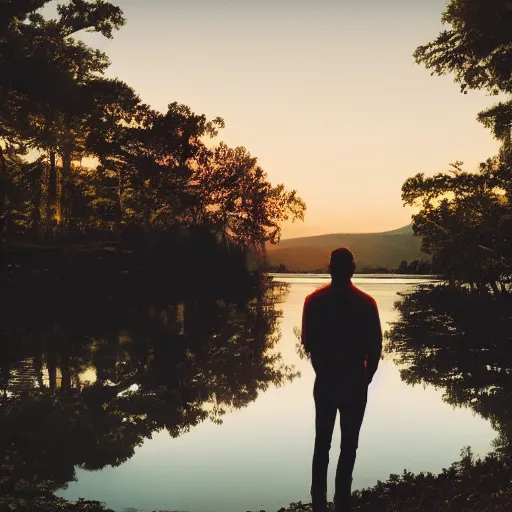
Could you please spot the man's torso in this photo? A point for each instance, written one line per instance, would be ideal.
(338, 320)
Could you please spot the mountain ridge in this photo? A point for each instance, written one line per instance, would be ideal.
(405, 230)
(371, 250)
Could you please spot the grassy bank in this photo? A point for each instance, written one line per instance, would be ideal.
(468, 485)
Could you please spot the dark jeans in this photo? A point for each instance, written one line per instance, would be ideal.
(350, 401)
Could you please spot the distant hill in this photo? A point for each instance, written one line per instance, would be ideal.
(371, 250)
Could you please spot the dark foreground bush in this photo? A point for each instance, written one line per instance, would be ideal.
(50, 504)
(469, 485)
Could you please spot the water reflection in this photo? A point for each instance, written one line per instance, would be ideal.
(459, 342)
(84, 389)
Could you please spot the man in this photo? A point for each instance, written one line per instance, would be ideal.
(342, 334)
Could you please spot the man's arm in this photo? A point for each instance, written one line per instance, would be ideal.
(306, 326)
(374, 342)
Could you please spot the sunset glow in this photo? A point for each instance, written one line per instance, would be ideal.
(326, 94)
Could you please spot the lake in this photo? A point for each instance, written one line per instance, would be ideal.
(260, 456)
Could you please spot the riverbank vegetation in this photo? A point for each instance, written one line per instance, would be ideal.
(85, 164)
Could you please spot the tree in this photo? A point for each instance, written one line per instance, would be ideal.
(45, 114)
(464, 221)
(157, 181)
(168, 177)
(241, 203)
(477, 49)
(148, 158)
(465, 218)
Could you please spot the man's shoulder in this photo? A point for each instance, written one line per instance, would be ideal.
(318, 294)
(364, 297)
(325, 293)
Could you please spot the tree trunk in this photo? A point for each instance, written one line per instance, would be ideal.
(36, 210)
(51, 363)
(503, 288)
(506, 148)
(64, 207)
(51, 201)
(119, 216)
(65, 371)
(38, 367)
(4, 198)
(494, 288)
(482, 288)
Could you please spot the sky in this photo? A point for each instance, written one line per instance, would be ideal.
(325, 93)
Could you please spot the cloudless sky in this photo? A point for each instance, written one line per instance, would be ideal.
(324, 92)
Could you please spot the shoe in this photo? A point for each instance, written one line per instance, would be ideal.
(319, 502)
(342, 505)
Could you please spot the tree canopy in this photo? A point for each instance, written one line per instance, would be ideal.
(465, 221)
(147, 172)
(465, 217)
(477, 48)
(477, 51)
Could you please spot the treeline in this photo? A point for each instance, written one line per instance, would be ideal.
(415, 267)
(83, 160)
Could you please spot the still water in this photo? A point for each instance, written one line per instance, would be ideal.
(259, 457)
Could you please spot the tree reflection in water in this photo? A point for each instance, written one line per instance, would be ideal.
(460, 342)
(84, 387)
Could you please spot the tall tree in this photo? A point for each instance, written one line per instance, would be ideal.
(465, 220)
(44, 113)
(477, 50)
(157, 173)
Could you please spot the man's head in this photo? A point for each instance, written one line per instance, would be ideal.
(342, 265)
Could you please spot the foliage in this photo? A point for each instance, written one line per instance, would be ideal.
(153, 171)
(459, 341)
(468, 485)
(47, 114)
(415, 267)
(477, 48)
(465, 221)
(465, 218)
(49, 504)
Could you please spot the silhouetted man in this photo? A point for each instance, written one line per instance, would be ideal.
(341, 331)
